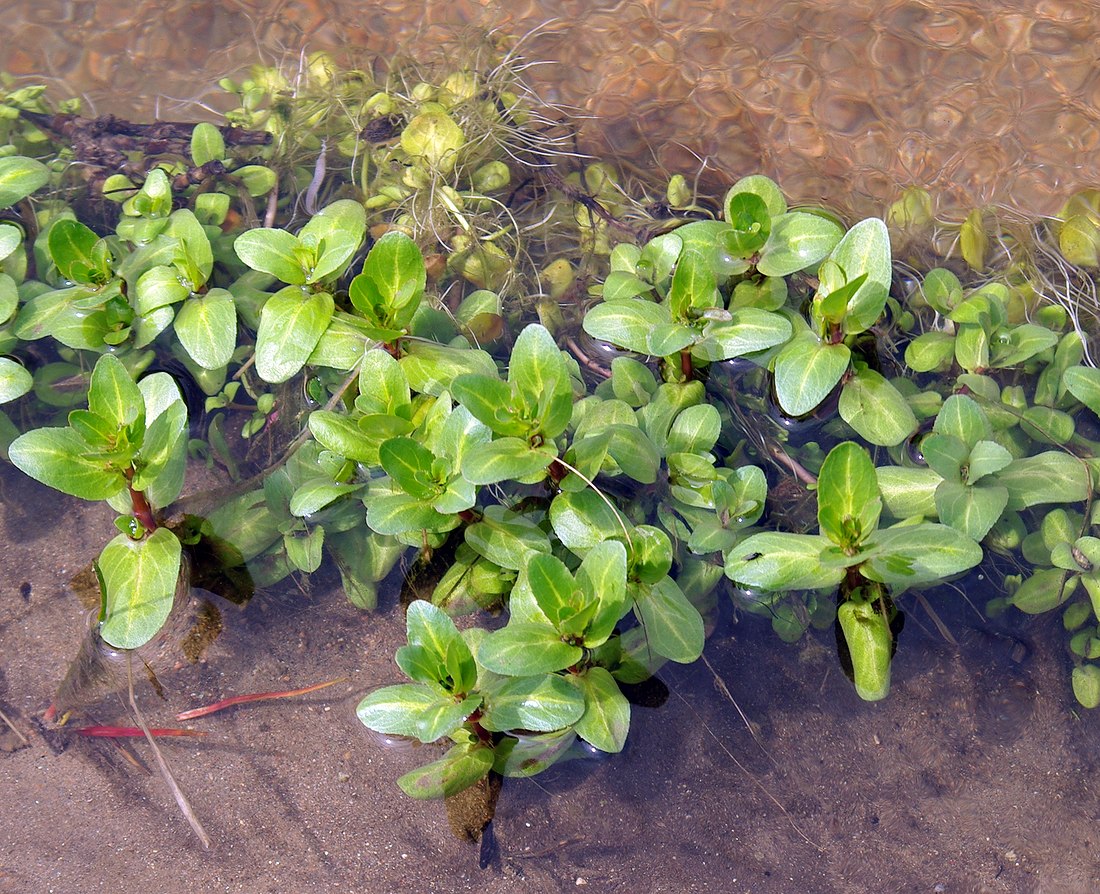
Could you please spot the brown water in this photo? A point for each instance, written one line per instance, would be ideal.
(842, 100)
(976, 775)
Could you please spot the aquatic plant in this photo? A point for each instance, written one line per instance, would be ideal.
(591, 427)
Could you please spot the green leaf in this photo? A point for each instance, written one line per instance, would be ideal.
(409, 464)
(750, 330)
(759, 185)
(163, 457)
(1023, 343)
(673, 626)
(207, 328)
(434, 137)
(806, 371)
(159, 287)
(875, 409)
(972, 348)
(521, 650)
(930, 351)
(19, 177)
(1050, 477)
(913, 554)
(304, 548)
(291, 324)
(412, 709)
(71, 243)
(634, 453)
(113, 394)
(962, 417)
(945, 454)
(271, 251)
(1083, 382)
(864, 250)
(543, 703)
(139, 579)
(582, 519)
(1047, 425)
(602, 575)
(505, 539)
(313, 496)
(506, 458)
(621, 285)
(1086, 684)
(553, 588)
(461, 767)
(798, 240)
(257, 180)
(985, 458)
(631, 324)
(779, 561)
(207, 144)
(490, 401)
(694, 284)
(15, 380)
(538, 373)
(432, 369)
(392, 281)
(194, 258)
(383, 387)
(632, 382)
(848, 502)
(344, 436)
(57, 458)
(400, 513)
(942, 290)
(867, 635)
(429, 627)
(750, 222)
(1044, 590)
(9, 293)
(606, 719)
(334, 234)
(973, 510)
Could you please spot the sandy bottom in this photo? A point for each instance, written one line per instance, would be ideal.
(976, 775)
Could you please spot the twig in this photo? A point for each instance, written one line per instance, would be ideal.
(940, 626)
(132, 732)
(724, 689)
(181, 799)
(752, 778)
(252, 697)
(14, 729)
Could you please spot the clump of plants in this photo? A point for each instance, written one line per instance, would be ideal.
(583, 428)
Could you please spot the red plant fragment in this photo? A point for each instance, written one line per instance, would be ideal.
(252, 697)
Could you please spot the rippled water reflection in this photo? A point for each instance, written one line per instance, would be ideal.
(984, 102)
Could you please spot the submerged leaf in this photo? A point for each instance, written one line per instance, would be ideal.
(139, 579)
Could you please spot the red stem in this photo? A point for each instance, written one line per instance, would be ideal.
(133, 732)
(143, 512)
(252, 697)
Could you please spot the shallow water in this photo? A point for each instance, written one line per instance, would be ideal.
(976, 775)
(983, 102)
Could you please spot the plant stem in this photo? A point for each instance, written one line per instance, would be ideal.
(143, 512)
(685, 365)
(252, 697)
(181, 799)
